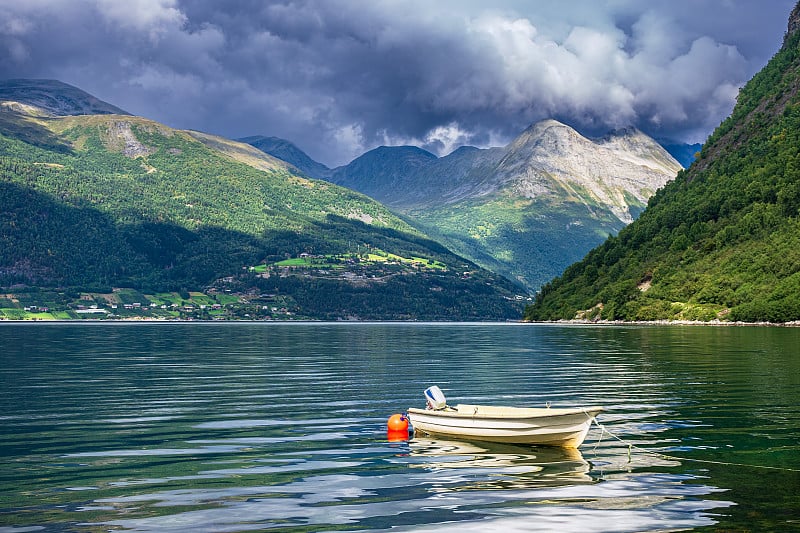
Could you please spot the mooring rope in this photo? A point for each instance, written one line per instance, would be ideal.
(632, 447)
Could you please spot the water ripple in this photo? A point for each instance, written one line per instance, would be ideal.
(254, 427)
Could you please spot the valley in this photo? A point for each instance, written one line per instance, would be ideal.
(526, 210)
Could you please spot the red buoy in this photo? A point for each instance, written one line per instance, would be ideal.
(397, 422)
(397, 428)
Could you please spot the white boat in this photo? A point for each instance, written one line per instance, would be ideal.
(565, 427)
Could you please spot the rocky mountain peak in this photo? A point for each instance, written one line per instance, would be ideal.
(551, 159)
(549, 134)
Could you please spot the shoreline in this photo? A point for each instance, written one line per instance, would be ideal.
(721, 323)
(572, 322)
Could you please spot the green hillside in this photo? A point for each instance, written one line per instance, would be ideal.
(722, 241)
(97, 202)
(526, 240)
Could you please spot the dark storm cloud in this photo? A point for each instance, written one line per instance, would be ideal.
(341, 76)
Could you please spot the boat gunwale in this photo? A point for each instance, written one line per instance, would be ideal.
(513, 413)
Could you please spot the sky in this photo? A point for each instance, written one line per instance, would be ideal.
(339, 77)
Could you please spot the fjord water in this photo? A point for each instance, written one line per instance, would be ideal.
(246, 427)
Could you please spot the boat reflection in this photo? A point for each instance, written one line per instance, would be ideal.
(502, 466)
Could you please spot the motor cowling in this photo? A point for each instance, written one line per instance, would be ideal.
(435, 398)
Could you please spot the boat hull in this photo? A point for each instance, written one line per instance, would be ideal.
(541, 427)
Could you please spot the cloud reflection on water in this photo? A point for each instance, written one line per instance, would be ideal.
(450, 485)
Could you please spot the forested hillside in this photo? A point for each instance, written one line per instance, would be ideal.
(97, 202)
(722, 241)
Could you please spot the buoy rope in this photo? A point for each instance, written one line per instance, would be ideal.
(631, 447)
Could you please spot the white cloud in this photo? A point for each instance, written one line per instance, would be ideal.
(155, 17)
(440, 140)
(351, 140)
(16, 26)
(445, 139)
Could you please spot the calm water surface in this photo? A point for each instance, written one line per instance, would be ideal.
(248, 427)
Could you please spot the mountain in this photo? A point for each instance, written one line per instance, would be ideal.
(526, 210)
(722, 241)
(97, 203)
(618, 172)
(288, 152)
(54, 98)
(244, 153)
(407, 177)
(382, 173)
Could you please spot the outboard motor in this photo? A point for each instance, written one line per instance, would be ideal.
(435, 398)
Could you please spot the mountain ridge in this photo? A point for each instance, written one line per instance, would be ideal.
(289, 152)
(507, 208)
(417, 166)
(99, 202)
(54, 98)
